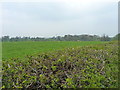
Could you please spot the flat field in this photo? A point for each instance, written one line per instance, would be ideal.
(21, 49)
(91, 66)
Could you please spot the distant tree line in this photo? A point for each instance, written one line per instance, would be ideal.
(64, 38)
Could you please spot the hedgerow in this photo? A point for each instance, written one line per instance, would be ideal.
(94, 66)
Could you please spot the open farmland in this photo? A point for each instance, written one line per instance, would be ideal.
(22, 49)
(93, 66)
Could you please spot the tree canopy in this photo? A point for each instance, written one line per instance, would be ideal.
(83, 37)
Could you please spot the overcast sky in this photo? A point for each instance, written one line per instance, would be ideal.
(47, 19)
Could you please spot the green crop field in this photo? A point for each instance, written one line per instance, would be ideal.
(22, 49)
(89, 66)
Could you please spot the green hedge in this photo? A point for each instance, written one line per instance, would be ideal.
(94, 66)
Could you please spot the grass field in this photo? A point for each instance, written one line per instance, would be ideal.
(92, 66)
(21, 49)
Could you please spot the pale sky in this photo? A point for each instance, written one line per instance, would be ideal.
(53, 18)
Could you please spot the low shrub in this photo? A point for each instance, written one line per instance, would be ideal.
(94, 66)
